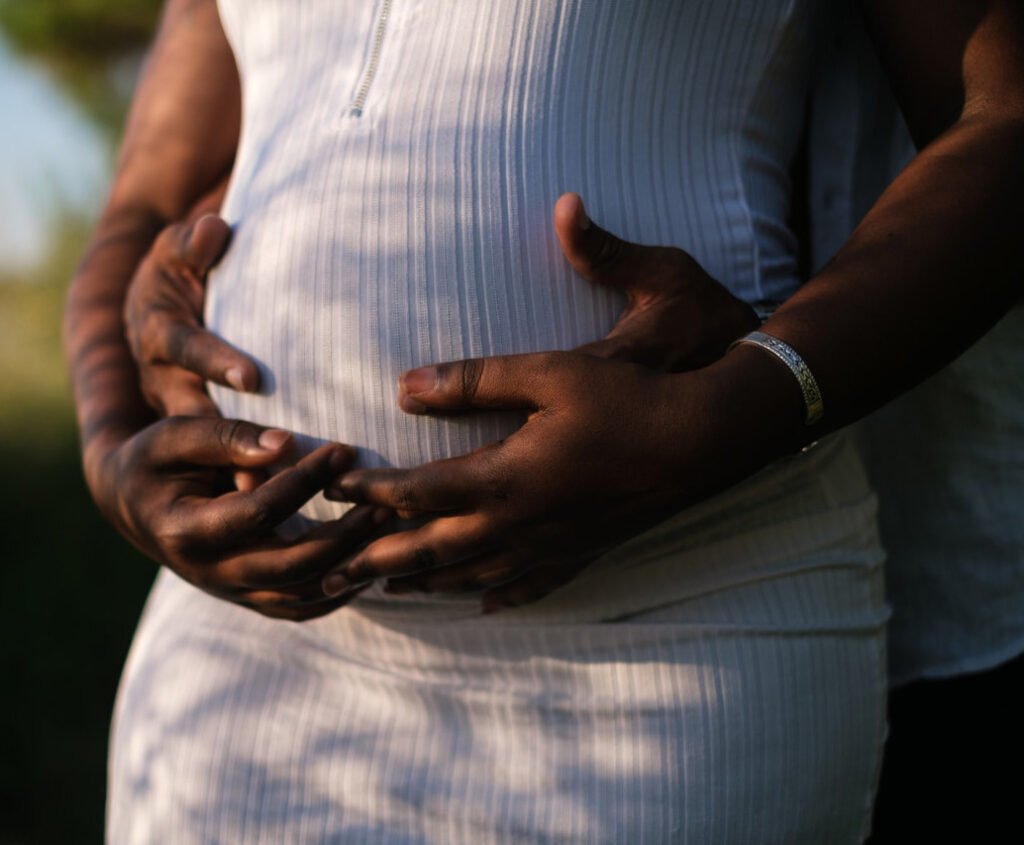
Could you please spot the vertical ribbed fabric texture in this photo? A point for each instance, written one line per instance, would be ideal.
(719, 679)
(421, 230)
(748, 710)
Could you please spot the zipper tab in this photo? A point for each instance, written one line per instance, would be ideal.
(358, 103)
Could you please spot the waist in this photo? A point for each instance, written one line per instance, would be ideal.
(747, 558)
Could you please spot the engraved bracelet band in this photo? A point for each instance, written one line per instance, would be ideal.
(790, 357)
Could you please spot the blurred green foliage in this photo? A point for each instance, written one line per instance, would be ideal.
(86, 44)
(73, 587)
(76, 30)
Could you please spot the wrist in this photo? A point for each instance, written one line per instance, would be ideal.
(740, 413)
(98, 452)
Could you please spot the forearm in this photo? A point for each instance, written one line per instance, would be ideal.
(176, 156)
(109, 404)
(933, 266)
(937, 261)
(939, 258)
(104, 377)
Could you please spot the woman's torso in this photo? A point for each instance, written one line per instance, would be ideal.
(419, 229)
(748, 708)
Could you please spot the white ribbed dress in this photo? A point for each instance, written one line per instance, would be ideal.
(719, 679)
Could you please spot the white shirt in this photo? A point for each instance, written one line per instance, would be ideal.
(947, 459)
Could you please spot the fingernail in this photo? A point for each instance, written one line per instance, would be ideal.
(335, 584)
(410, 405)
(341, 459)
(235, 377)
(581, 216)
(419, 381)
(273, 439)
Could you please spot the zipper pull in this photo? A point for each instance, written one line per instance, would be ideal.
(358, 103)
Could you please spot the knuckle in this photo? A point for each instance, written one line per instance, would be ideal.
(169, 237)
(355, 487)
(364, 568)
(174, 536)
(229, 434)
(182, 345)
(552, 364)
(495, 482)
(425, 558)
(609, 251)
(260, 514)
(194, 354)
(208, 579)
(470, 373)
(311, 478)
(182, 235)
(152, 393)
(405, 495)
(154, 338)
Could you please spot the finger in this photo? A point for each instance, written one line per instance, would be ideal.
(175, 392)
(188, 345)
(596, 254)
(247, 480)
(439, 543)
(203, 243)
(468, 577)
(249, 514)
(297, 566)
(279, 607)
(501, 381)
(447, 485)
(215, 442)
(537, 583)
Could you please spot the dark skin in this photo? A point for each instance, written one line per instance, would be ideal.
(677, 318)
(934, 264)
(166, 484)
(610, 447)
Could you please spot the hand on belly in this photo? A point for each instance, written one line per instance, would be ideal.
(589, 469)
(581, 476)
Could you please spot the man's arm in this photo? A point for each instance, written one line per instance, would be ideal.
(164, 484)
(179, 145)
(934, 264)
(940, 256)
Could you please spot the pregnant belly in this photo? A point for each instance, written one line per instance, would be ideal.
(334, 303)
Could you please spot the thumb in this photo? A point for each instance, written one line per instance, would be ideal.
(204, 242)
(596, 254)
(501, 381)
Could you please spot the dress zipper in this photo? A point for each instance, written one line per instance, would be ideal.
(355, 108)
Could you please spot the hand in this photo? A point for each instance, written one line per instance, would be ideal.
(677, 317)
(167, 489)
(595, 463)
(163, 316)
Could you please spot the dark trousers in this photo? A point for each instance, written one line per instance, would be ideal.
(954, 762)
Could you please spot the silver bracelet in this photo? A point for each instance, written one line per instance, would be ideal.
(815, 407)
